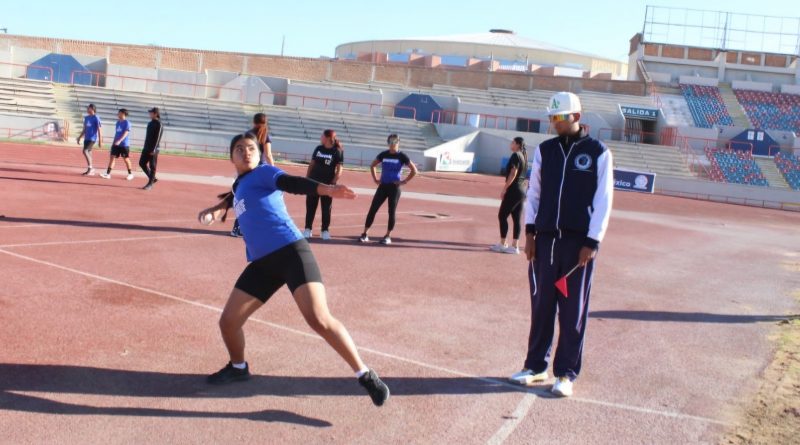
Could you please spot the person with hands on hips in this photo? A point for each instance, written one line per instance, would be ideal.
(392, 162)
(569, 201)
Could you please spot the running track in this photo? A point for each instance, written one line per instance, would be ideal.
(109, 299)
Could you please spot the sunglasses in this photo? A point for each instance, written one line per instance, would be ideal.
(560, 117)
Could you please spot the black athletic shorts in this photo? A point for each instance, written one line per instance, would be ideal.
(293, 265)
(87, 144)
(117, 151)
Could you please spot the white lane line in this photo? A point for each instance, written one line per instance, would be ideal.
(51, 224)
(105, 240)
(513, 421)
(620, 406)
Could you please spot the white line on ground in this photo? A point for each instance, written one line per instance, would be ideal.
(513, 421)
(158, 221)
(620, 406)
(105, 240)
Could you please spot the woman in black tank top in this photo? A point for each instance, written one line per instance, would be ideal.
(513, 197)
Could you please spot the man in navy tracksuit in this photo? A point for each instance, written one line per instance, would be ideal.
(566, 216)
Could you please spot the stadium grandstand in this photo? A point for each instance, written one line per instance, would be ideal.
(705, 116)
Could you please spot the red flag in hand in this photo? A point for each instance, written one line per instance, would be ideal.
(561, 284)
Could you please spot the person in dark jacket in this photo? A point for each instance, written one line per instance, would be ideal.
(568, 206)
(152, 141)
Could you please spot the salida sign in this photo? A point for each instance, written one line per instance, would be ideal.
(639, 112)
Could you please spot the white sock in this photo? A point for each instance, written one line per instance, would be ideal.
(240, 365)
(361, 372)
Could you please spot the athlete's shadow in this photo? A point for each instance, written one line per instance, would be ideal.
(690, 317)
(58, 379)
(112, 225)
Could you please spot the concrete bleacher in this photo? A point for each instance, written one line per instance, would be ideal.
(706, 105)
(233, 117)
(789, 166)
(27, 97)
(660, 159)
(771, 111)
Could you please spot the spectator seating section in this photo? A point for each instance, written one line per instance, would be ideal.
(771, 111)
(232, 117)
(706, 105)
(789, 166)
(29, 97)
(736, 167)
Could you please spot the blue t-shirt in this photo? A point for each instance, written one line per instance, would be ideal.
(391, 165)
(263, 218)
(91, 125)
(122, 127)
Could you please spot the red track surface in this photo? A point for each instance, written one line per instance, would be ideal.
(109, 298)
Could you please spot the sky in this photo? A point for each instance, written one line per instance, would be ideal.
(315, 28)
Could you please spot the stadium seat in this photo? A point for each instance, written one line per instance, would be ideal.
(735, 167)
(706, 105)
(789, 166)
(771, 111)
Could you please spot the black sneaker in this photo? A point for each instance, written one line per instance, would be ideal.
(236, 232)
(149, 186)
(378, 391)
(229, 374)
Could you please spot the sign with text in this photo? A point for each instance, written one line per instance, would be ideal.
(639, 112)
(634, 181)
(454, 161)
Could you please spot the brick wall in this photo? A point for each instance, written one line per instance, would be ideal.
(318, 69)
(751, 59)
(701, 54)
(675, 52)
(775, 60)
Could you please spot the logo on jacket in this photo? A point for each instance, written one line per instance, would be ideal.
(583, 161)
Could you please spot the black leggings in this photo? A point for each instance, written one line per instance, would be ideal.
(147, 162)
(384, 192)
(512, 204)
(311, 210)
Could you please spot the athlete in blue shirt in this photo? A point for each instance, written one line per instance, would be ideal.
(121, 145)
(278, 255)
(392, 162)
(91, 131)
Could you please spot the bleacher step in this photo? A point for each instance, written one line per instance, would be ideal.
(771, 172)
(734, 107)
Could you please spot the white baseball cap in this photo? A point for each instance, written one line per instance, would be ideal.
(564, 103)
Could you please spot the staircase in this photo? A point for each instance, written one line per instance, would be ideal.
(771, 172)
(734, 107)
(67, 109)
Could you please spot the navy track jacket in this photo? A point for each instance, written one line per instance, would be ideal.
(571, 188)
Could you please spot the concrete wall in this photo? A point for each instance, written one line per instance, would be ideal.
(461, 144)
(696, 80)
(356, 101)
(749, 85)
(790, 89)
(731, 193)
(14, 126)
(129, 78)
